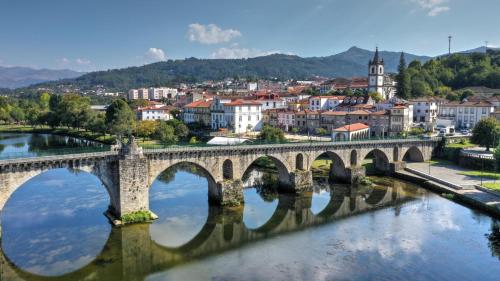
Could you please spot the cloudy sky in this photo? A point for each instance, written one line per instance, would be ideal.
(96, 34)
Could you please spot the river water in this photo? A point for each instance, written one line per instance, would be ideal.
(53, 229)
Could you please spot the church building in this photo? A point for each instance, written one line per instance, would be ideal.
(378, 81)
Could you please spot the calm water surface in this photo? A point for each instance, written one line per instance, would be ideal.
(14, 145)
(53, 229)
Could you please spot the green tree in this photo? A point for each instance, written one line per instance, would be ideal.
(376, 96)
(403, 79)
(486, 133)
(146, 128)
(193, 140)
(496, 153)
(44, 101)
(272, 134)
(321, 131)
(166, 133)
(17, 114)
(120, 118)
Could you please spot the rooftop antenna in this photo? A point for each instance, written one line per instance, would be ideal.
(449, 44)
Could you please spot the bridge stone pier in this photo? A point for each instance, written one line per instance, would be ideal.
(128, 173)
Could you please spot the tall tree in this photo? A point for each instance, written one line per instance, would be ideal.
(486, 133)
(120, 118)
(403, 79)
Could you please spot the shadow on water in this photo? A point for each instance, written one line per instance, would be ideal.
(130, 252)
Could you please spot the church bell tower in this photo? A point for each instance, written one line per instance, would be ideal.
(376, 74)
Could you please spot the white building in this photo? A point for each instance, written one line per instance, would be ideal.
(252, 86)
(133, 94)
(154, 113)
(425, 112)
(325, 102)
(465, 114)
(242, 116)
(271, 101)
(378, 81)
(162, 93)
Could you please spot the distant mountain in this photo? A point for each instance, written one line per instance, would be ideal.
(15, 77)
(353, 62)
(481, 49)
(361, 57)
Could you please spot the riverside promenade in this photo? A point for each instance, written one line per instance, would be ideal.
(446, 179)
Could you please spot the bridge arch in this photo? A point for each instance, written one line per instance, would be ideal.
(10, 182)
(227, 169)
(282, 166)
(299, 161)
(337, 169)
(380, 159)
(395, 154)
(413, 154)
(354, 158)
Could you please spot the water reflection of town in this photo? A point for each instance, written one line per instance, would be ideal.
(131, 254)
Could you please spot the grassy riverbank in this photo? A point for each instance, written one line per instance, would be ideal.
(106, 139)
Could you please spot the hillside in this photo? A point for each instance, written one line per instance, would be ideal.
(352, 62)
(15, 77)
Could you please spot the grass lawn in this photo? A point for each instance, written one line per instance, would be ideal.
(478, 174)
(460, 145)
(492, 186)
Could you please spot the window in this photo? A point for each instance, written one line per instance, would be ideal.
(249, 117)
(484, 110)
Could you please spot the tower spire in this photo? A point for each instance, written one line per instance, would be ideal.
(376, 58)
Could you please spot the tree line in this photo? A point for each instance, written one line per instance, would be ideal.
(444, 76)
(74, 111)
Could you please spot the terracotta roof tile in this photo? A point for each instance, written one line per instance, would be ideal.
(352, 128)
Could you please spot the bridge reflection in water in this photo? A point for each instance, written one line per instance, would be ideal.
(131, 254)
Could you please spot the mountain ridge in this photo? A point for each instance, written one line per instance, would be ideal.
(352, 62)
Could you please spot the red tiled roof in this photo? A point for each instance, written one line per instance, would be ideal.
(359, 112)
(334, 113)
(352, 128)
(240, 102)
(199, 103)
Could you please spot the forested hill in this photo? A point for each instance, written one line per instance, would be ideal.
(353, 62)
(442, 75)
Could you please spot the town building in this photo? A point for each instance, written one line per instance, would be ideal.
(425, 112)
(198, 112)
(243, 116)
(325, 102)
(465, 114)
(355, 131)
(154, 113)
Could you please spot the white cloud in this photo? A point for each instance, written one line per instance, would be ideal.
(239, 53)
(81, 61)
(211, 34)
(433, 7)
(155, 54)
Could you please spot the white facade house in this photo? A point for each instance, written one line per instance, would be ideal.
(378, 81)
(242, 116)
(162, 93)
(325, 102)
(465, 114)
(154, 113)
(425, 110)
(133, 94)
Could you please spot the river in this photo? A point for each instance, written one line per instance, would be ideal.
(54, 229)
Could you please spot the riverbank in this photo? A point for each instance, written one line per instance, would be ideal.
(97, 137)
(470, 197)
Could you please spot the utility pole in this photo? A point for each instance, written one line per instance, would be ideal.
(486, 46)
(449, 44)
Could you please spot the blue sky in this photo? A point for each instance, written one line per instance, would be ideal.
(102, 34)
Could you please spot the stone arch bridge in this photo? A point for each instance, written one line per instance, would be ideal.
(128, 173)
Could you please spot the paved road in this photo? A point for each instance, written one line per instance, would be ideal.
(449, 173)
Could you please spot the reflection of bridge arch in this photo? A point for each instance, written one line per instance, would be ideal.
(131, 252)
